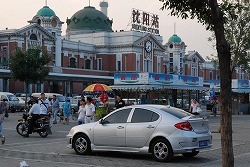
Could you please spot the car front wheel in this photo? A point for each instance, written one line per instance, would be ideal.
(81, 144)
(162, 150)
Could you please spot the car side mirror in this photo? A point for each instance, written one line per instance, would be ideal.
(102, 121)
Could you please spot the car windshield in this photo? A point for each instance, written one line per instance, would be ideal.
(12, 98)
(179, 113)
(60, 98)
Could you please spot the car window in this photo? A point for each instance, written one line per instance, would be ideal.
(179, 113)
(118, 117)
(60, 98)
(12, 98)
(3, 97)
(144, 115)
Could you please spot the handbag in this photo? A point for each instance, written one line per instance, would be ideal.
(199, 110)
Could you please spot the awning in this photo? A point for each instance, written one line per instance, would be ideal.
(241, 90)
(154, 87)
(186, 87)
(136, 87)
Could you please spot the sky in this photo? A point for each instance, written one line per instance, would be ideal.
(14, 14)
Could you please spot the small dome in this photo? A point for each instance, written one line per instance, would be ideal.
(104, 4)
(46, 12)
(174, 38)
(89, 19)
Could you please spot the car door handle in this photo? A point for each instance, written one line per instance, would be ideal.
(150, 127)
(120, 127)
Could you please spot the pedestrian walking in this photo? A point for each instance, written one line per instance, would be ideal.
(81, 112)
(3, 110)
(55, 108)
(194, 107)
(90, 111)
(214, 106)
(66, 110)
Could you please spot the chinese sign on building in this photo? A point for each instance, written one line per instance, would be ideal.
(145, 21)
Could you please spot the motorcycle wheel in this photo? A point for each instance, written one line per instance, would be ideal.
(22, 129)
(43, 134)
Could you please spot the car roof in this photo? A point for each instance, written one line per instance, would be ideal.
(177, 112)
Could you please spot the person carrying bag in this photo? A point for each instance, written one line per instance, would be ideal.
(3, 111)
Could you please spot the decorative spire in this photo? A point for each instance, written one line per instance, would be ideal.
(46, 2)
(174, 28)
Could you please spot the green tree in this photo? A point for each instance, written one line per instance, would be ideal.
(30, 66)
(237, 32)
(212, 14)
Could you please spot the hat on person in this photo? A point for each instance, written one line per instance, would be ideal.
(67, 99)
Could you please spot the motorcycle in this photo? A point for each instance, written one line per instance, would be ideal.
(42, 126)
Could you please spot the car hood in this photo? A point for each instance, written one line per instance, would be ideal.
(85, 128)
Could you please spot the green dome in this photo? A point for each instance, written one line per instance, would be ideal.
(174, 38)
(46, 12)
(89, 19)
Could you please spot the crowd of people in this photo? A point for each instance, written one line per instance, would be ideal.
(89, 110)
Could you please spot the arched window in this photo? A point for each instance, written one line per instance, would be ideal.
(33, 37)
(34, 42)
(87, 64)
(72, 62)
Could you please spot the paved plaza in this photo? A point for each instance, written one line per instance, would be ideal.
(52, 151)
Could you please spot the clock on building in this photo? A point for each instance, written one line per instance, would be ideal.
(148, 46)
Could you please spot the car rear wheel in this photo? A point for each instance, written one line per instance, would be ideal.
(190, 155)
(81, 144)
(161, 150)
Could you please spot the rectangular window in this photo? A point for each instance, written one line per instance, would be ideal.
(99, 64)
(158, 68)
(171, 67)
(119, 66)
(194, 72)
(211, 75)
(137, 65)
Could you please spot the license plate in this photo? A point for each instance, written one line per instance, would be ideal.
(203, 143)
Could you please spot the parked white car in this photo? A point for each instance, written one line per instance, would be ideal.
(160, 130)
(12, 101)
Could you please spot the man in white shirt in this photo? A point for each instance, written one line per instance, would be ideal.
(35, 112)
(90, 111)
(44, 105)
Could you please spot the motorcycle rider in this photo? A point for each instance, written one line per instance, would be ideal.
(35, 112)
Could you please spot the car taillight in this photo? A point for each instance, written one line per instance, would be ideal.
(184, 126)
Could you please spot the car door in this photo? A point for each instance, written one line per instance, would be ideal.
(112, 131)
(142, 125)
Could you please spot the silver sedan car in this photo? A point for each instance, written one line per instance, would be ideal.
(162, 131)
